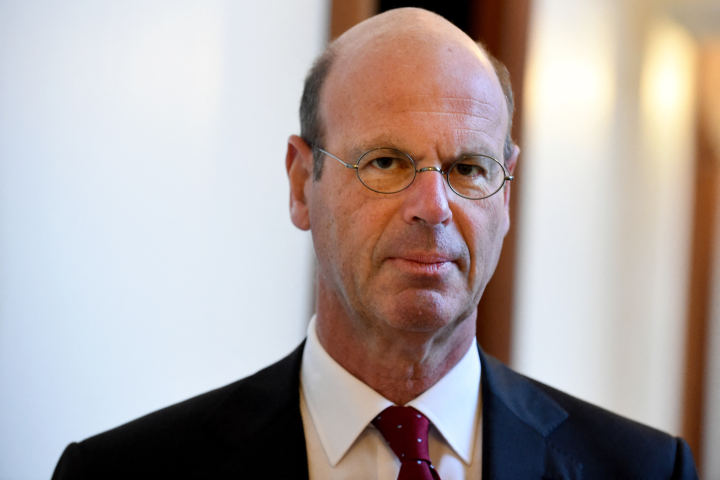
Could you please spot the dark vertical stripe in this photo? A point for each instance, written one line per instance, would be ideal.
(503, 27)
(704, 239)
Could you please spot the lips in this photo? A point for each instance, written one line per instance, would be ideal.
(423, 263)
(427, 258)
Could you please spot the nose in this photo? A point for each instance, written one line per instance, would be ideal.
(427, 198)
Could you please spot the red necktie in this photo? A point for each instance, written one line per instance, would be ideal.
(406, 432)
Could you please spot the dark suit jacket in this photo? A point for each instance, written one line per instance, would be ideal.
(253, 429)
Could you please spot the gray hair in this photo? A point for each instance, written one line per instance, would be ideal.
(311, 127)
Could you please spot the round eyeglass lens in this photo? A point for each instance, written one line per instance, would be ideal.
(476, 176)
(386, 170)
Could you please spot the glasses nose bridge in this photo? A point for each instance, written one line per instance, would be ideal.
(433, 169)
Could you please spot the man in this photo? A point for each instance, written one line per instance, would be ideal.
(402, 176)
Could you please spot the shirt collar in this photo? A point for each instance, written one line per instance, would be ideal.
(341, 406)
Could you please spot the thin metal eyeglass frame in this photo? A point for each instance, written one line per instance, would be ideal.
(355, 166)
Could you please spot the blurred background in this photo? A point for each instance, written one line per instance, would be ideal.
(146, 252)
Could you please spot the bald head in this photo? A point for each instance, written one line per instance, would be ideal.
(365, 64)
(402, 32)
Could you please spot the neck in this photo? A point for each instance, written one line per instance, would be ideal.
(398, 364)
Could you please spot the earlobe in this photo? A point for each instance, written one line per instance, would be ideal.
(299, 163)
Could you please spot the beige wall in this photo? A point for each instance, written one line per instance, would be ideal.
(605, 227)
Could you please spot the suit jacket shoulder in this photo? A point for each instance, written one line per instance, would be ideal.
(531, 430)
(232, 432)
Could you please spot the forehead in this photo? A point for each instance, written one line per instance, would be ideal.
(398, 89)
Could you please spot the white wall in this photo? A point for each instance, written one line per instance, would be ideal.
(146, 253)
(604, 233)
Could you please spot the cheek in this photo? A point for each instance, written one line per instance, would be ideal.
(485, 235)
(364, 228)
(346, 226)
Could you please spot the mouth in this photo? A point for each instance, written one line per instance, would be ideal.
(423, 264)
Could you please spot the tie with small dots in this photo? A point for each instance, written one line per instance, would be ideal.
(406, 432)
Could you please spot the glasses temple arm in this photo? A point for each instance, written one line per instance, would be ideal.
(348, 165)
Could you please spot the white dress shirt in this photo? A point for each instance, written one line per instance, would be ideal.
(337, 409)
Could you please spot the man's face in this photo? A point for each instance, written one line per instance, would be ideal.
(419, 259)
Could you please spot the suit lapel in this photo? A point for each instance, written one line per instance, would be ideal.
(517, 420)
(260, 427)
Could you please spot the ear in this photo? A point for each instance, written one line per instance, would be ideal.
(299, 165)
(510, 164)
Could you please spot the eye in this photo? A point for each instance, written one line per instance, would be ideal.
(385, 163)
(470, 170)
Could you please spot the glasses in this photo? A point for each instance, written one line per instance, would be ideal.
(386, 170)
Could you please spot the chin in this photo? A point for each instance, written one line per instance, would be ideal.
(424, 312)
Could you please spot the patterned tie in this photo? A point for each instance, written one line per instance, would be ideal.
(406, 432)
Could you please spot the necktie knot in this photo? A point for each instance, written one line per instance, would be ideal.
(406, 432)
